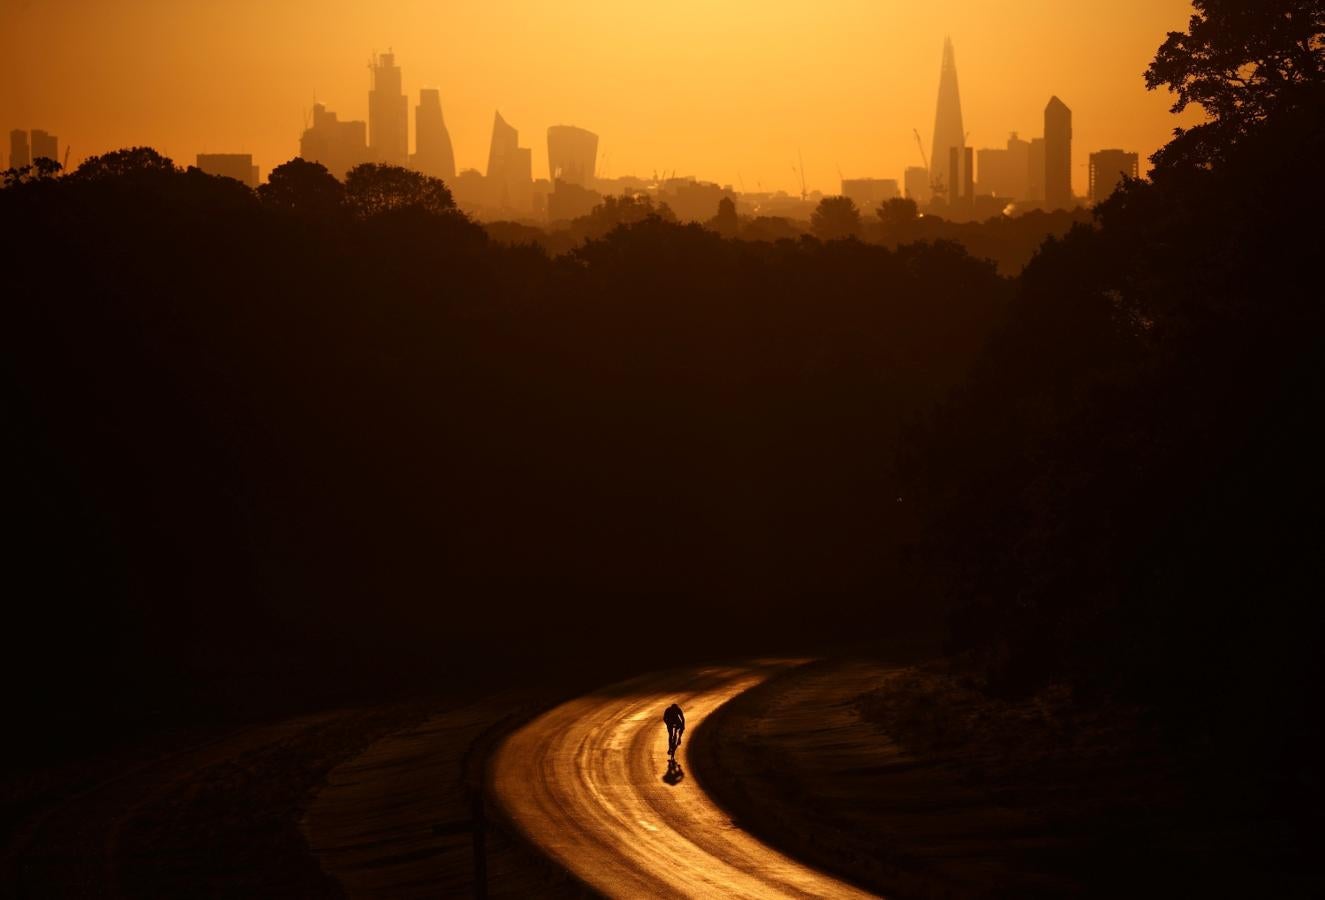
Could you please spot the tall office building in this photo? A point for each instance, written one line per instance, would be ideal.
(432, 154)
(968, 175)
(388, 113)
(510, 169)
(340, 146)
(572, 154)
(1035, 172)
(916, 181)
(1058, 155)
(45, 146)
(19, 153)
(948, 130)
(238, 166)
(1003, 172)
(1107, 170)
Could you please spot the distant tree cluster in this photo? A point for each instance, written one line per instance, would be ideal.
(332, 421)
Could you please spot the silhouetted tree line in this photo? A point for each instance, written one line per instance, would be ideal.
(1126, 493)
(1008, 241)
(333, 427)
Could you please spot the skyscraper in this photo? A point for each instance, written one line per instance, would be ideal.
(340, 146)
(19, 154)
(1107, 169)
(968, 175)
(1058, 155)
(45, 146)
(1035, 172)
(432, 154)
(948, 130)
(1003, 172)
(572, 154)
(388, 113)
(510, 169)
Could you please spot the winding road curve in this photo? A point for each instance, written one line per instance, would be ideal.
(584, 782)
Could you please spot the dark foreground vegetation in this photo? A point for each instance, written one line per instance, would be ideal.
(329, 436)
(338, 431)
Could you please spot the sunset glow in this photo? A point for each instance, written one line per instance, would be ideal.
(728, 92)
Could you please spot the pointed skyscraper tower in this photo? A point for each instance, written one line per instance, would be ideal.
(433, 154)
(948, 131)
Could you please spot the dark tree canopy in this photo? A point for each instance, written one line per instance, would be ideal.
(125, 164)
(41, 168)
(835, 218)
(372, 189)
(303, 187)
(624, 210)
(898, 218)
(725, 222)
(1241, 63)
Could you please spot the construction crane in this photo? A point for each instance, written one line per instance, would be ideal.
(921, 147)
(936, 187)
(65, 165)
(801, 172)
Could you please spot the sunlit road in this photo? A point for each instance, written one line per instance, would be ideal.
(585, 783)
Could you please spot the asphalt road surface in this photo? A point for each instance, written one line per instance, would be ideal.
(585, 782)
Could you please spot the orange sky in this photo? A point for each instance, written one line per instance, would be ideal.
(726, 91)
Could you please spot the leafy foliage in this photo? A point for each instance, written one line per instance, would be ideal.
(1241, 63)
(372, 189)
(835, 218)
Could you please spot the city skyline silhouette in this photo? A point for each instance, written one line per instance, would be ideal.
(735, 103)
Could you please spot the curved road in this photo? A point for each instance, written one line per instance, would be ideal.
(584, 782)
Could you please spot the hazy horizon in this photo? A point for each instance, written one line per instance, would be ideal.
(848, 83)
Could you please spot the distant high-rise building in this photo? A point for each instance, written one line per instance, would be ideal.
(433, 154)
(510, 169)
(948, 130)
(45, 146)
(238, 166)
(388, 113)
(505, 142)
(340, 146)
(1035, 172)
(869, 193)
(572, 155)
(954, 166)
(1003, 172)
(916, 182)
(1107, 170)
(1058, 155)
(968, 175)
(19, 153)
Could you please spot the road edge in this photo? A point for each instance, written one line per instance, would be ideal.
(716, 763)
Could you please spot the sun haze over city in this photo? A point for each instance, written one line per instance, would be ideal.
(735, 92)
